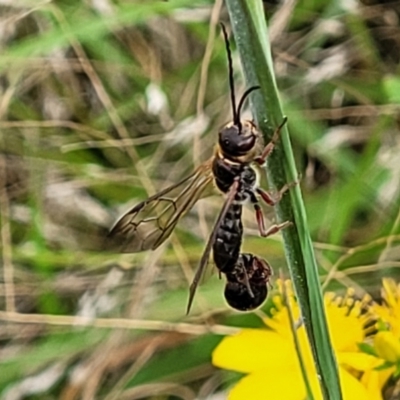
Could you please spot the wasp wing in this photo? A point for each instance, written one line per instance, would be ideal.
(207, 251)
(147, 225)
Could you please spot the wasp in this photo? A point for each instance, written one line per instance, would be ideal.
(231, 169)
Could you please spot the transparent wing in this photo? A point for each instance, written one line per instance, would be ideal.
(147, 225)
(207, 251)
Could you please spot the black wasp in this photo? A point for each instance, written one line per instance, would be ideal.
(240, 145)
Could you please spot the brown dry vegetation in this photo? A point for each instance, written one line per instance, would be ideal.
(104, 102)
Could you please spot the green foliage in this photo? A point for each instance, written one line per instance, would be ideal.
(79, 145)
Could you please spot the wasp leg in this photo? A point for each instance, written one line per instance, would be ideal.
(260, 217)
(246, 280)
(261, 224)
(270, 146)
(273, 199)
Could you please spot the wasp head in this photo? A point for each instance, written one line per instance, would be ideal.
(239, 142)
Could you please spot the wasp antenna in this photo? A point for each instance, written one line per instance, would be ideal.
(243, 99)
(236, 119)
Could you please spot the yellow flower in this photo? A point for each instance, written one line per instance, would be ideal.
(389, 311)
(386, 341)
(269, 357)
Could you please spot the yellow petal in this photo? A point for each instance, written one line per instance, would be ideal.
(282, 383)
(371, 383)
(387, 346)
(374, 381)
(390, 292)
(253, 349)
(288, 384)
(358, 361)
(352, 389)
(344, 339)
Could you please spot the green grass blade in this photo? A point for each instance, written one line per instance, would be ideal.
(250, 31)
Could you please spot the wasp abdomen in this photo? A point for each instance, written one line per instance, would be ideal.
(226, 248)
(246, 287)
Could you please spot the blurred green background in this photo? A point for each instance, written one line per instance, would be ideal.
(104, 102)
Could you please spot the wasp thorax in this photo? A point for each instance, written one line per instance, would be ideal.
(236, 141)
